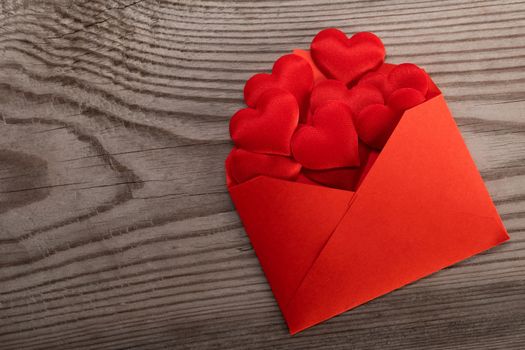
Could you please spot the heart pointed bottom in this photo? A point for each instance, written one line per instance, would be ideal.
(423, 206)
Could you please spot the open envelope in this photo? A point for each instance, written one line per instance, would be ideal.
(423, 206)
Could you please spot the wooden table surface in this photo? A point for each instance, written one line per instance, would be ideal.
(116, 228)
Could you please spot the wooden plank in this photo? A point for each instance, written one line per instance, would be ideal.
(116, 229)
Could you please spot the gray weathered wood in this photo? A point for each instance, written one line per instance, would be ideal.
(116, 229)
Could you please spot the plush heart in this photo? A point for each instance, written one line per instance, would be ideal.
(330, 141)
(243, 165)
(379, 79)
(329, 90)
(267, 128)
(405, 98)
(318, 75)
(304, 180)
(342, 178)
(356, 98)
(291, 73)
(365, 168)
(363, 95)
(375, 123)
(385, 68)
(408, 75)
(346, 59)
(364, 152)
(433, 90)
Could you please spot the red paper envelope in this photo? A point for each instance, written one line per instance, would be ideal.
(422, 207)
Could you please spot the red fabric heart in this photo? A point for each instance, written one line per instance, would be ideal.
(433, 90)
(379, 80)
(318, 75)
(243, 165)
(405, 98)
(375, 123)
(304, 180)
(291, 73)
(385, 68)
(408, 75)
(370, 160)
(346, 59)
(329, 90)
(363, 95)
(330, 141)
(364, 153)
(267, 128)
(342, 178)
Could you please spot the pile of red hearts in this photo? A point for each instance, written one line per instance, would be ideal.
(322, 116)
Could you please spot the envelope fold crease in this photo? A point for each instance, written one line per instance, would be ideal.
(288, 224)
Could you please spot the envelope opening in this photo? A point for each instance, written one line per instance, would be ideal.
(231, 183)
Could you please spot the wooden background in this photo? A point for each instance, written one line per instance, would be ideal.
(116, 229)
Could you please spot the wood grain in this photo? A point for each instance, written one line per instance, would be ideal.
(116, 229)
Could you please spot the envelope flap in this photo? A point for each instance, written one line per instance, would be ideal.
(422, 207)
(288, 224)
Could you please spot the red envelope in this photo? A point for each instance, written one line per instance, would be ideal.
(423, 206)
